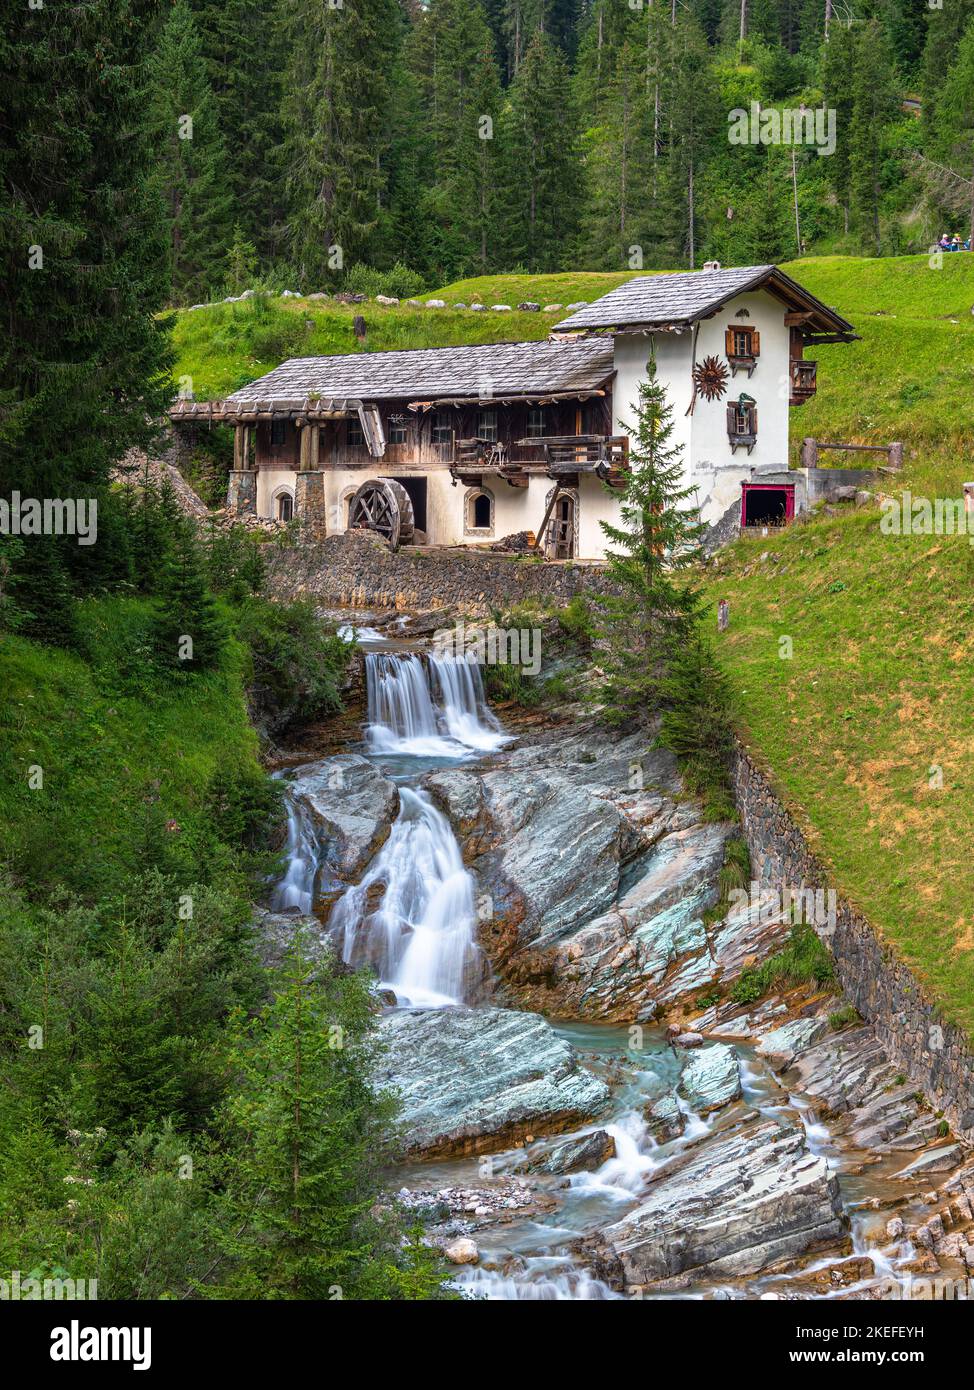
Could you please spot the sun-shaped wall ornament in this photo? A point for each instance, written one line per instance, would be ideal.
(710, 378)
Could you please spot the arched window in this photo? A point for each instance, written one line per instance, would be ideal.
(478, 513)
(285, 506)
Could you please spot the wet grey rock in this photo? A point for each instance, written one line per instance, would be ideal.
(940, 1160)
(746, 1199)
(581, 1155)
(665, 1119)
(353, 806)
(782, 1045)
(277, 931)
(476, 1080)
(711, 1078)
(598, 874)
(688, 1040)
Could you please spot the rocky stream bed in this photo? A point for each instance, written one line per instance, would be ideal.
(583, 1117)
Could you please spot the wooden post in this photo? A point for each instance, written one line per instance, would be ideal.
(723, 615)
(304, 448)
(809, 453)
(896, 455)
(239, 448)
(539, 538)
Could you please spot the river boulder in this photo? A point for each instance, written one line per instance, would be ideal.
(748, 1198)
(353, 807)
(478, 1080)
(712, 1078)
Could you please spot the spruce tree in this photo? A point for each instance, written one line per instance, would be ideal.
(453, 58)
(542, 180)
(619, 159)
(336, 131)
(42, 593)
(188, 634)
(83, 362)
(693, 121)
(191, 163)
(308, 1135)
(652, 542)
(956, 140)
(838, 62)
(875, 102)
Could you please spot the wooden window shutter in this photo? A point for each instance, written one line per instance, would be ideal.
(732, 419)
(755, 342)
(754, 419)
(729, 342)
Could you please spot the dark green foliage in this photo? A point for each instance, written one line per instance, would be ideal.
(82, 238)
(188, 634)
(307, 1135)
(234, 562)
(695, 723)
(190, 159)
(805, 960)
(653, 613)
(336, 120)
(297, 664)
(540, 183)
(42, 592)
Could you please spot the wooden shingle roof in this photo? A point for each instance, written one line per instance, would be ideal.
(471, 373)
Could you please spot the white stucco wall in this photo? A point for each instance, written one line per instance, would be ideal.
(709, 465)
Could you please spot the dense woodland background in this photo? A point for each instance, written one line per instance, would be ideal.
(606, 121)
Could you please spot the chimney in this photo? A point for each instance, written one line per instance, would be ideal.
(711, 265)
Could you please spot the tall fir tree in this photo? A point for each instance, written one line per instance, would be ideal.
(653, 541)
(542, 187)
(619, 157)
(693, 119)
(875, 102)
(453, 58)
(837, 65)
(188, 634)
(243, 41)
(83, 361)
(337, 101)
(190, 158)
(955, 145)
(945, 28)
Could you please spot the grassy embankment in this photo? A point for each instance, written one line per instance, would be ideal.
(879, 692)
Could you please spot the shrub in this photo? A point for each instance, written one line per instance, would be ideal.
(398, 283)
(845, 1017)
(297, 663)
(804, 960)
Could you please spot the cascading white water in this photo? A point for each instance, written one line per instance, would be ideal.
(421, 938)
(296, 888)
(410, 714)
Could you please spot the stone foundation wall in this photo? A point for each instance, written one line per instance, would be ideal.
(937, 1056)
(360, 571)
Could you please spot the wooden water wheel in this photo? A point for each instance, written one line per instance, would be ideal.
(383, 505)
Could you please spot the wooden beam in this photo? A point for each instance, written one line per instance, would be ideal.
(539, 538)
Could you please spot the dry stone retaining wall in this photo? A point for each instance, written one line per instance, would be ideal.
(936, 1055)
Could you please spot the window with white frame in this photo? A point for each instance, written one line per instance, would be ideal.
(487, 425)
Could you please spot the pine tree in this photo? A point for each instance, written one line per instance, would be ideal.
(693, 119)
(619, 158)
(453, 56)
(243, 41)
(838, 62)
(336, 122)
(191, 162)
(42, 593)
(770, 233)
(695, 723)
(875, 102)
(241, 263)
(308, 1135)
(945, 28)
(188, 634)
(956, 142)
(542, 172)
(83, 362)
(652, 542)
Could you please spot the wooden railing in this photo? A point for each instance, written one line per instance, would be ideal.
(556, 455)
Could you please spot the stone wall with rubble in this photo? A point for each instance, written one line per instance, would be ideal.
(937, 1056)
(360, 571)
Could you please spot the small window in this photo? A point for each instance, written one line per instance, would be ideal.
(742, 422)
(354, 437)
(398, 429)
(487, 425)
(278, 432)
(741, 342)
(442, 428)
(285, 507)
(535, 423)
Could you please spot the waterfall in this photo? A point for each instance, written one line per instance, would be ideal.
(296, 888)
(422, 937)
(436, 717)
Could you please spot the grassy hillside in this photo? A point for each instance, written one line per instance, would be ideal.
(909, 378)
(119, 760)
(874, 709)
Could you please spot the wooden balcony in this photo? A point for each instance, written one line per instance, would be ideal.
(555, 456)
(804, 381)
